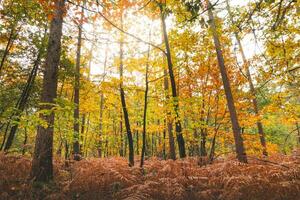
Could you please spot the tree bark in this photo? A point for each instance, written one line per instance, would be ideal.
(239, 144)
(42, 167)
(178, 128)
(251, 86)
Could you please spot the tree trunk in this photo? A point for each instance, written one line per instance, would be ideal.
(164, 144)
(123, 101)
(298, 132)
(202, 132)
(121, 134)
(9, 44)
(239, 144)
(101, 124)
(137, 140)
(25, 138)
(21, 104)
(145, 109)
(76, 138)
(101, 102)
(42, 167)
(178, 128)
(168, 122)
(251, 86)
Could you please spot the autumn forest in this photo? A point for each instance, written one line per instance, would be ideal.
(150, 99)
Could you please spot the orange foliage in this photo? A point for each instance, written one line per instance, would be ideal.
(111, 178)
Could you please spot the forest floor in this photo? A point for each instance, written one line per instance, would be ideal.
(111, 178)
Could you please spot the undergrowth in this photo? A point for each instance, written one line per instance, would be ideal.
(111, 178)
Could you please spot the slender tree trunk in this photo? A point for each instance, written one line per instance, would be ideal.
(164, 144)
(298, 132)
(239, 144)
(251, 86)
(123, 101)
(121, 134)
(178, 128)
(145, 108)
(82, 133)
(137, 140)
(101, 124)
(21, 104)
(9, 44)
(66, 150)
(86, 142)
(101, 104)
(42, 167)
(202, 132)
(25, 138)
(76, 138)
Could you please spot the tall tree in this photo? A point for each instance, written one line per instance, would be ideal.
(145, 107)
(250, 83)
(123, 101)
(178, 127)
(76, 145)
(11, 39)
(239, 144)
(21, 104)
(102, 104)
(42, 167)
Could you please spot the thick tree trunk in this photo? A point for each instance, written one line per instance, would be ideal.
(42, 167)
(124, 107)
(178, 128)
(251, 86)
(76, 137)
(239, 144)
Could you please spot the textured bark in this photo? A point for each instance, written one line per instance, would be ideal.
(251, 86)
(42, 167)
(239, 144)
(178, 128)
